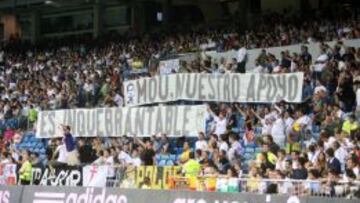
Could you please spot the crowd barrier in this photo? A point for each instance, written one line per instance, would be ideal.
(169, 178)
(46, 194)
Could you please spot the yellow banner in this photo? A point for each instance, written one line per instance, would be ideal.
(159, 176)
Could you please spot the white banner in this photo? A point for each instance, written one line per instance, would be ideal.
(169, 66)
(265, 88)
(95, 176)
(116, 122)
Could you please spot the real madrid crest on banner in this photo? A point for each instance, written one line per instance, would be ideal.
(130, 94)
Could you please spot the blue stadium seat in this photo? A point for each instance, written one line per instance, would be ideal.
(179, 150)
(173, 157)
(162, 162)
(249, 149)
(169, 162)
(42, 151)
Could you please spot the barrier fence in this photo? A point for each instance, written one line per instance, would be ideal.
(170, 178)
(46, 194)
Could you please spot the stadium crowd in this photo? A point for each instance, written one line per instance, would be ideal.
(315, 140)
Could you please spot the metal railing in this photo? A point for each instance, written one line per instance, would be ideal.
(318, 188)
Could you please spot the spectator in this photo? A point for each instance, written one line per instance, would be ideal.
(191, 168)
(70, 144)
(241, 59)
(350, 125)
(299, 172)
(220, 123)
(35, 161)
(185, 155)
(353, 165)
(86, 153)
(25, 170)
(340, 153)
(148, 153)
(235, 150)
(201, 143)
(333, 163)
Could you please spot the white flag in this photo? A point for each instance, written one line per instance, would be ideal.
(95, 176)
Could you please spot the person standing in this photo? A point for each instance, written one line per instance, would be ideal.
(241, 57)
(26, 169)
(70, 144)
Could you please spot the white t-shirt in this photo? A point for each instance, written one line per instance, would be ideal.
(266, 128)
(280, 165)
(224, 146)
(329, 143)
(304, 121)
(124, 157)
(136, 161)
(201, 144)
(278, 131)
(340, 114)
(234, 150)
(341, 154)
(220, 126)
(63, 153)
(289, 122)
(312, 156)
(110, 162)
(5, 161)
(322, 59)
(356, 171)
(88, 87)
(241, 55)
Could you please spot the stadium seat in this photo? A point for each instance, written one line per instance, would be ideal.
(169, 162)
(162, 162)
(173, 157)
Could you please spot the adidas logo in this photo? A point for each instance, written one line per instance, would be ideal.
(88, 197)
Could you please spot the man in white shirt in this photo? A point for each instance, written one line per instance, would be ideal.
(107, 159)
(223, 143)
(340, 153)
(241, 59)
(62, 154)
(235, 149)
(135, 159)
(201, 144)
(220, 122)
(328, 140)
(278, 131)
(124, 157)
